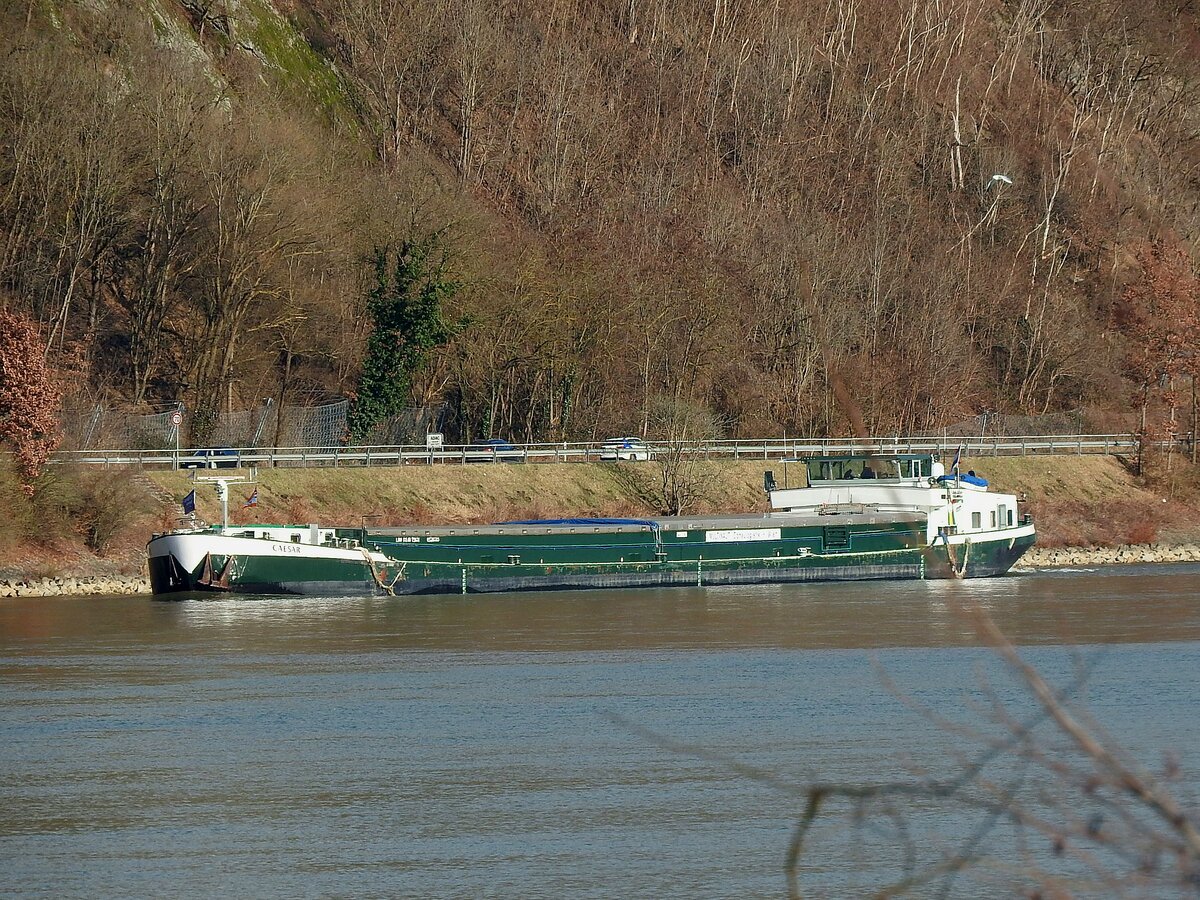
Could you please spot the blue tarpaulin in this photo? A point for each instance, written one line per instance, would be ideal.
(967, 479)
(647, 522)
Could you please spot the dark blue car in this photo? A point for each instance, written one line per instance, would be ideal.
(211, 458)
(493, 450)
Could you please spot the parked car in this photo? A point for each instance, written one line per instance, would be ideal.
(493, 450)
(210, 458)
(625, 448)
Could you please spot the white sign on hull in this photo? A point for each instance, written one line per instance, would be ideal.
(735, 535)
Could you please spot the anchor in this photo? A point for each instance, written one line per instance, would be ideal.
(219, 581)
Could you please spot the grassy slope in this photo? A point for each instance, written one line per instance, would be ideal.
(480, 493)
(1088, 500)
(1076, 501)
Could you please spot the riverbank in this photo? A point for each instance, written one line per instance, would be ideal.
(1088, 557)
(83, 586)
(1088, 510)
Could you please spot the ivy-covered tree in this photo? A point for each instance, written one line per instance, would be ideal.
(409, 289)
(30, 396)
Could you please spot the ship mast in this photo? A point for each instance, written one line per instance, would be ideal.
(221, 485)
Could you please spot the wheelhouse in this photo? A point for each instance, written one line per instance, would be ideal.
(892, 467)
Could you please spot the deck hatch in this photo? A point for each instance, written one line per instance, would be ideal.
(836, 537)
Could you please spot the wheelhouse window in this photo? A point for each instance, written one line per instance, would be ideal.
(834, 469)
(868, 467)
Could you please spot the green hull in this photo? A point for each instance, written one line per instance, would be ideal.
(457, 561)
(257, 575)
(540, 556)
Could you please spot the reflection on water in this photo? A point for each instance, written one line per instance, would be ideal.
(1122, 605)
(474, 746)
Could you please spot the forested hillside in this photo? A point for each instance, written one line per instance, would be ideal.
(571, 218)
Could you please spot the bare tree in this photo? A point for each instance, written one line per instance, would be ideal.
(163, 251)
(1122, 824)
(393, 47)
(254, 229)
(1052, 779)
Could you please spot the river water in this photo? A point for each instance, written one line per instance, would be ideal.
(602, 744)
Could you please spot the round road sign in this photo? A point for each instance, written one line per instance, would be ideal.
(176, 418)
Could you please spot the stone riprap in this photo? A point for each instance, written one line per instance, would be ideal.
(1065, 557)
(95, 584)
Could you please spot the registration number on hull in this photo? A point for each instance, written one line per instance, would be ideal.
(735, 535)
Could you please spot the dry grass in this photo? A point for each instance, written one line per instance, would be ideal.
(482, 493)
(81, 521)
(1075, 500)
(1084, 501)
(1054, 478)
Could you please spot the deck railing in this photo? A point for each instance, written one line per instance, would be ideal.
(762, 448)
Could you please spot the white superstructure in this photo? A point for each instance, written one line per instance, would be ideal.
(958, 508)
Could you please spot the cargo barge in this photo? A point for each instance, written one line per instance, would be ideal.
(864, 516)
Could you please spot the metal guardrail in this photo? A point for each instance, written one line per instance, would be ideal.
(770, 448)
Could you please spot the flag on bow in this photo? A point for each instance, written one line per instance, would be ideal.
(252, 500)
(189, 503)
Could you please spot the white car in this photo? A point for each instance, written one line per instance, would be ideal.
(625, 448)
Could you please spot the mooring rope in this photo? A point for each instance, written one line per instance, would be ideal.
(389, 589)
